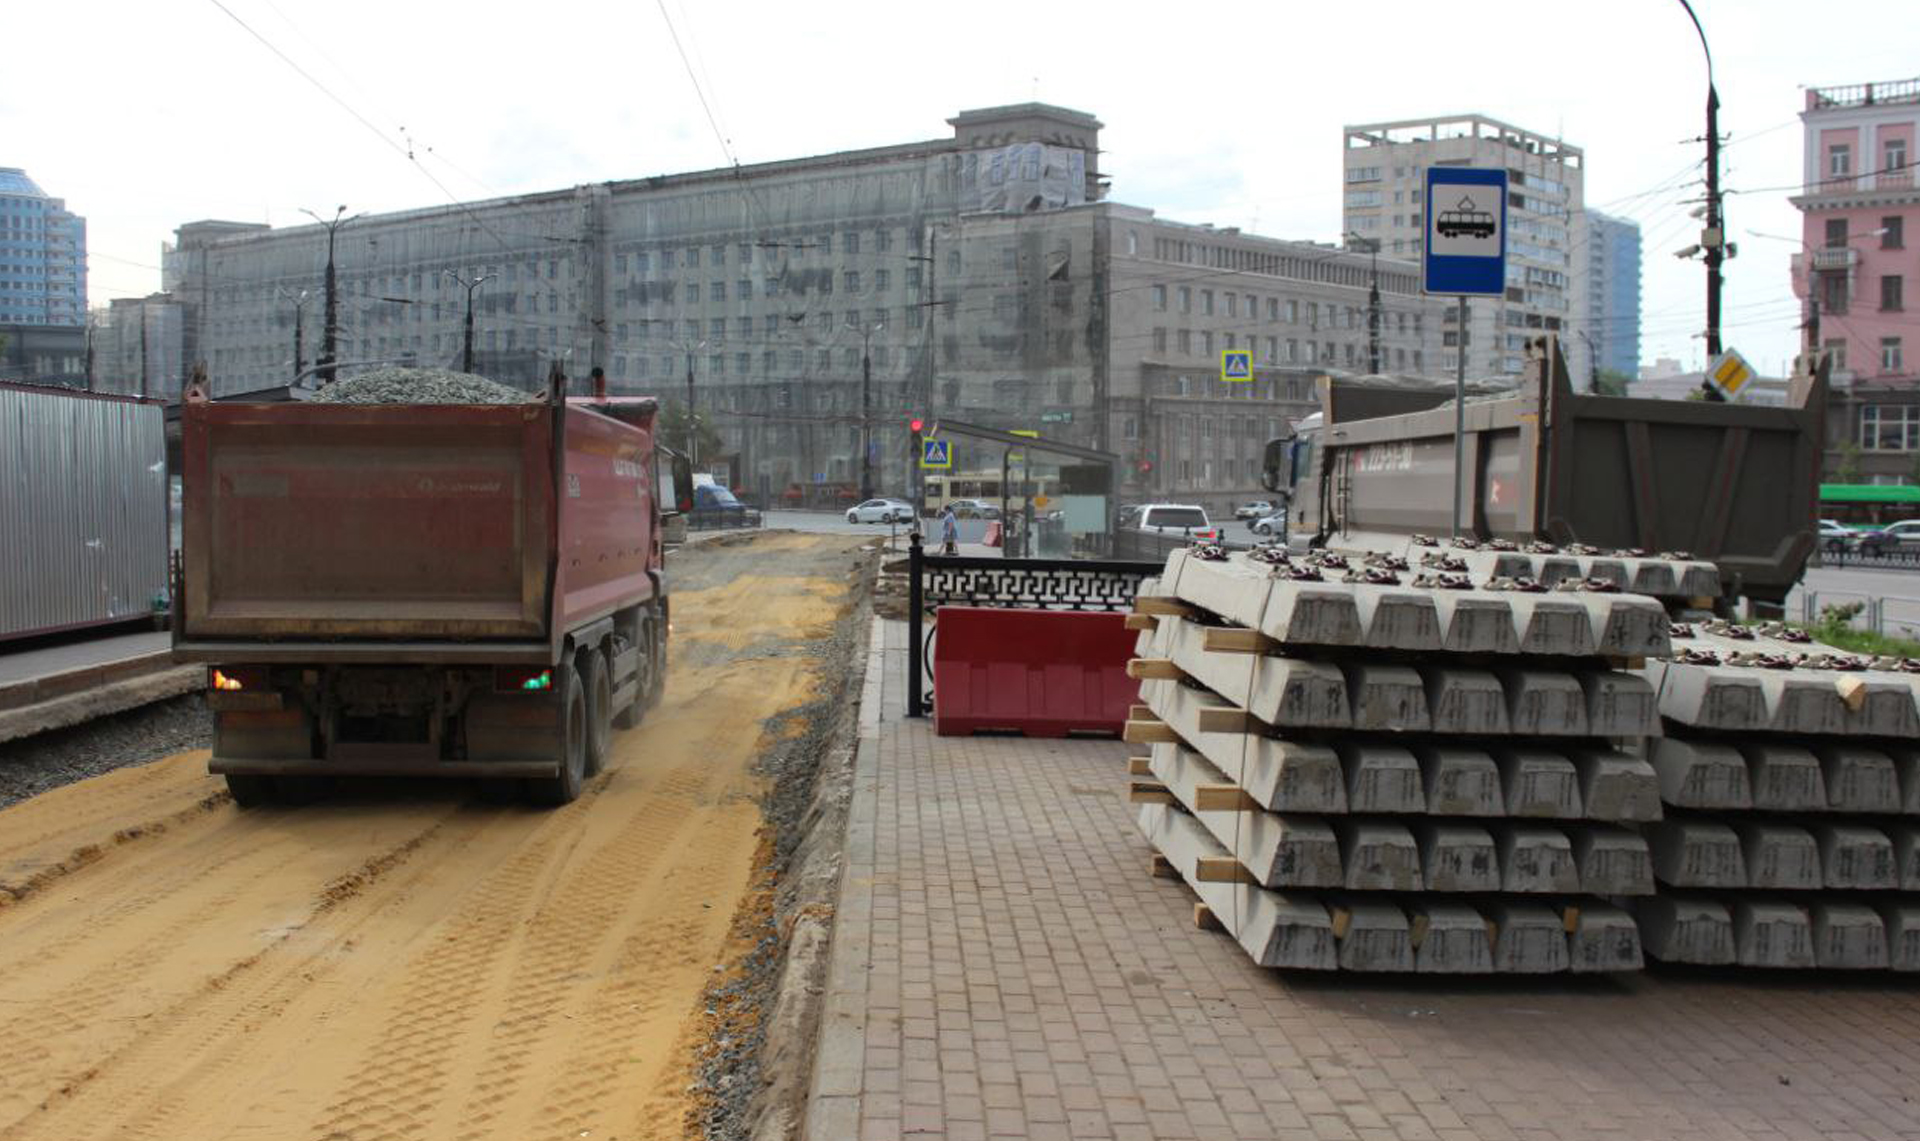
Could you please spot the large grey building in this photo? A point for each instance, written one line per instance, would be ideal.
(1384, 168)
(982, 275)
(1611, 321)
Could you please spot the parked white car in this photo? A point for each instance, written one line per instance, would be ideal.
(1170, 519)
(1274, 524)
(1255, 509)
(881, 511)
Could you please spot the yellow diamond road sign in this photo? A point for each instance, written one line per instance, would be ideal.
(1236, 364)
(1729, 372)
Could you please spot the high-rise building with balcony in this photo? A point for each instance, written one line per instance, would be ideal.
(1857, 203)
(43, 256)
(1611, 321)
(1384, 167)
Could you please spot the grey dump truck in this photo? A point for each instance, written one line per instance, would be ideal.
(1731, 483)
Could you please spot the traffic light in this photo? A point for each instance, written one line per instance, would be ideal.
(916, 424)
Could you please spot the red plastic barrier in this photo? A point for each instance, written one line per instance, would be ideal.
(1046, 673)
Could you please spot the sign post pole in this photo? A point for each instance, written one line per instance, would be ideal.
(1465, 256)
(1459, 414)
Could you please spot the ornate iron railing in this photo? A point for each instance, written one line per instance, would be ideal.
(1040, 584)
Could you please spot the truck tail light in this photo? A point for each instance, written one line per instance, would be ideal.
(520, 679)
(234, 678)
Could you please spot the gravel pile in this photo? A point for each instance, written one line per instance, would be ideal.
(32, 765)
(419, 386)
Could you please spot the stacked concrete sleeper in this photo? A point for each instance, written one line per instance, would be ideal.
(1417, 775)
(1791, 779)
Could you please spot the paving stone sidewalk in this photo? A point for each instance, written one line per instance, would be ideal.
(1004, 966)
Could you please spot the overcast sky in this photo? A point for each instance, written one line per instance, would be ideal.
(144, 114)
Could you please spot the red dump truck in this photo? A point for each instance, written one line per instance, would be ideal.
(448, 590)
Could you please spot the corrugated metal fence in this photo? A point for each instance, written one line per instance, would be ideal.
(83, 509)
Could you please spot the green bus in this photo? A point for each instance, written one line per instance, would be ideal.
(1869, 504)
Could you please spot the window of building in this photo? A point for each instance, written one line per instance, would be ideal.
(882, 279)
(1893, 233)
(1893, 155)
(1890, 354)
(852, 240)
(1206, 302)
(1836, 233)
(1837, 350)
(883, 240)
(1184, 339)
(853, 281)
(1160, 298)
(719, 328)
(1890, 427)
(1833, 292)
(1890, 292)
(1130, 429)
(1186, 299)
(718, 290)
(1233, 304)
(1159, 340)
(746, 253)
(1206, 345)
(1839, 160)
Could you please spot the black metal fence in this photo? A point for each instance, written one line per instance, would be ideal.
(1041, 584)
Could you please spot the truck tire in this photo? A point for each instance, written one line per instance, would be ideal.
(657, 670)
(599, 693)
(565, 788)
(648, 679)
(250, 790)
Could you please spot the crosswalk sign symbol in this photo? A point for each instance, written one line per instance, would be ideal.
(1236, 364)
(936, 453)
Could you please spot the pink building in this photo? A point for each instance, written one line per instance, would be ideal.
(1860, 204)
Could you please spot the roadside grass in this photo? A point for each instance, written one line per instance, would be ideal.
(1834, 627)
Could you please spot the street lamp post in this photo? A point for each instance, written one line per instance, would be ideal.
(1713, 241)
(1373, 300)
(466, 354)
(331, 336)
(866, 410)
(693, 421)
(299, 326)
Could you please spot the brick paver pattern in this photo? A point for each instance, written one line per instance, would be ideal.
(1005, 966)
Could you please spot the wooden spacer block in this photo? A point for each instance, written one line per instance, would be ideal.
(1417, 931)
(1223, 798)
(1141, 713)
(1162, 605)
(1147, 792)
(1142, 622)
(1219, 720)
(1634, 663)
(1570, 918)
(1153, 669)
(1139, 766)
(1149, 733)
(1161, 868)
(1342, 920)
(1235, 640)
(1221, 869)
(1852, 690)
(1702, 602)
(1205, 919)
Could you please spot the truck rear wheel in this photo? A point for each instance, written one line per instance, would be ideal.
(250, 790)
(565, 788)
(646, 679)
(599, 686)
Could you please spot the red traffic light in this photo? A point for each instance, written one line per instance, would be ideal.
(916, 424)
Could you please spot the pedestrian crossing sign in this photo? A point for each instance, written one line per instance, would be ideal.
(1236, 364)
(936, 453)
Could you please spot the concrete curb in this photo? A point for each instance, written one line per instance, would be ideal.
(834, 1097)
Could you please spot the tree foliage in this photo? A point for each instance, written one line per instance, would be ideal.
(673, 430)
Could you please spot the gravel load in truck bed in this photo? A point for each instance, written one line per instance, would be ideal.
(419, 386)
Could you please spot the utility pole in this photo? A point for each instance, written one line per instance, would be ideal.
(1373, 307)
(143, 348)
(866, 416)
(1713, 239)
(466, 352)
(299, 328)
(331, 336)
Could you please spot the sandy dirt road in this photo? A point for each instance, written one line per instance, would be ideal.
(408, 962)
